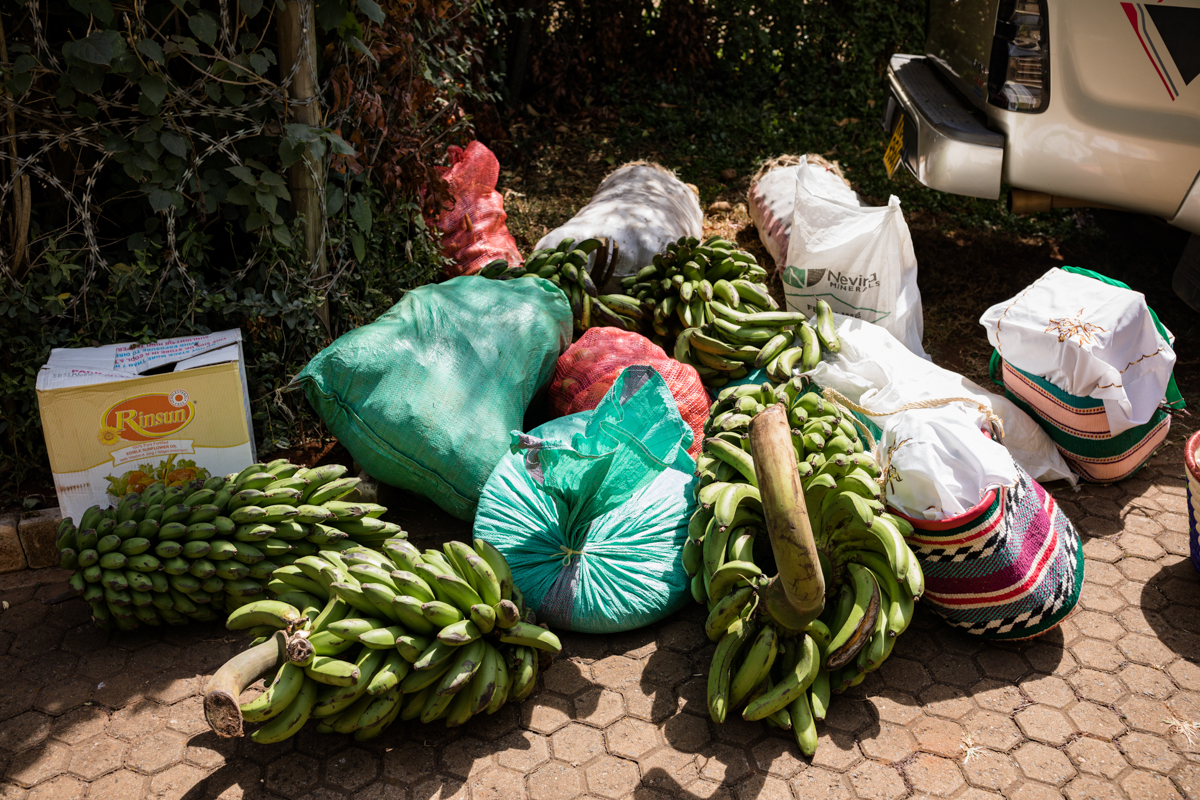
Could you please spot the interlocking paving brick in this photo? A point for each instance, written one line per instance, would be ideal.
(892, 705)
(820, 783)
(777, 756)
(686, 733)
(1101, 687)
(991, 729)
(1089, 787)
(556, 781)
(632, 738)
(1048, 690)
(1031, 790)
(1001, 697)
(890, 744)
(848, 715)
(651, 702)
(567, 677)
(1100, 598)
(939, 736)
(953, 670)
(1147, 681)
(1146, 650)
(440, 787)
(24, 731)
(292, 775)
(1148, 752)
(762, 787)
(408, 763)
(988, 769)
(873, 781)
(1045, 724)
(136, 720)
(946, 701)
(546, 715)
(1096, 757)
(120, 785)
(933, 775)
(1002, 664)
(156, 752)
(836, 753)
(904, 674)
(599, 707)
(497, 783)
(616, 672)
(1096, 720)
(666, 768)
(1143, 714)
(1147, 786)
(577, 744)
(176, 783)
(1044, 763)
(523, 751)
(95, 757)
(612, 777)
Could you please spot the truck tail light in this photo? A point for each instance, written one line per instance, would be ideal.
(1019, 75)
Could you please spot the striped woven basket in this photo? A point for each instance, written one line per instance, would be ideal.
(1010, 568)
(1191, 456)
(1079, 428)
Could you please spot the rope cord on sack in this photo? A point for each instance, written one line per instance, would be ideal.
(993, 419)
(566, 559)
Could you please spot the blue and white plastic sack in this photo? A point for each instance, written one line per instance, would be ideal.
(591, 510)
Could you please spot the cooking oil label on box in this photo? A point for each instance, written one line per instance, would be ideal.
(107, 439)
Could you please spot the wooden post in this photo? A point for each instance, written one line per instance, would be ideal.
(796, 595)
(306, 178)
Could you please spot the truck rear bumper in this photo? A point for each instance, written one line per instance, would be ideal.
(946, 146)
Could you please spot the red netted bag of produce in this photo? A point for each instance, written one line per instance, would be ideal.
(590, 367)
(474, 231)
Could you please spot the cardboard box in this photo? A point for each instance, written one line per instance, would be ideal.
(117, 417)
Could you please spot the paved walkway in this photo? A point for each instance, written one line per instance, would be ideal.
(1107, 706)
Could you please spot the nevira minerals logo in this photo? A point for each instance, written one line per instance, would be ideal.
(146, 417)
(853, 282)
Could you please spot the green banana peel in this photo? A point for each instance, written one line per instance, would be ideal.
(796, 596)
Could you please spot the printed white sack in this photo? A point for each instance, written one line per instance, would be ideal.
(772, 198)
(1089, 339)
(858, 259)
(874, 370)
(941, 465)
(642, 207)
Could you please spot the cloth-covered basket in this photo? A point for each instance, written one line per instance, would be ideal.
(1010, 568)
(1191, 456)
(1079, 428)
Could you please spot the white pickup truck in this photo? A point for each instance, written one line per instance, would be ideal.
(1069, 102)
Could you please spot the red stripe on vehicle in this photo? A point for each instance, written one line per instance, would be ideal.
(1132, 14)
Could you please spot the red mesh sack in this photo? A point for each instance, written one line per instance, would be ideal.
(474, 230)
(589, 368)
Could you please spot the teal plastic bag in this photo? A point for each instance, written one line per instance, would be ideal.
(425, 396)
(591, 510)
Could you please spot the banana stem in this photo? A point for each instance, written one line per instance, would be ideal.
(796, 596)
(221, 707)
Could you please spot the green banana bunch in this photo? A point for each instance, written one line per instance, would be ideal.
(381, 634)
(566, 266)
(871, 576)
(203, 549)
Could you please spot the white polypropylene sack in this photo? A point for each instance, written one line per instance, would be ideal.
(772, 198)
(858, 259)
(941, 464)
(1089, 339)
(640, 206)
(874, 370)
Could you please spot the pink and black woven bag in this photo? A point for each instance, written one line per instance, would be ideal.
(1010, 568)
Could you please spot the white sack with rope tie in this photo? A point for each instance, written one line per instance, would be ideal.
(939, 465)
(1089, 339)
(875, 371)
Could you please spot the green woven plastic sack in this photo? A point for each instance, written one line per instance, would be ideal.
(425, 396)
(591, 510)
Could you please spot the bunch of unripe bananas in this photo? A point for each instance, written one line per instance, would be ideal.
(378, 636)
(737, 342)
(872, 578)
(566, 266)
(167, 555)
